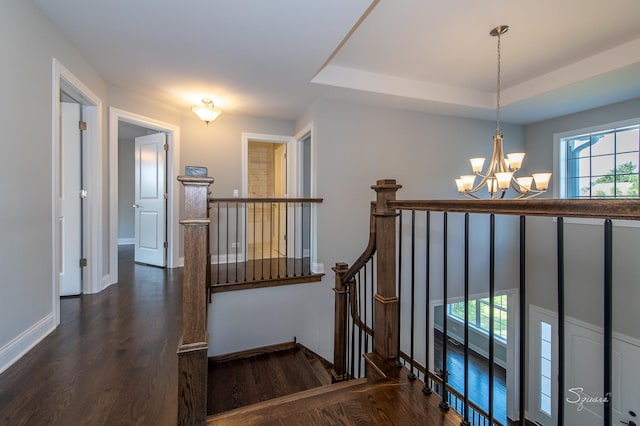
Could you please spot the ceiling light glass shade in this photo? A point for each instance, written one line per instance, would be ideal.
(206, 112)
(542, 180)
(477, 164)
(499, 175)
(525, 183)
(515, 160)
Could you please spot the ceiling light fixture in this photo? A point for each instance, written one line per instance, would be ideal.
(206, 112)
(499, 176)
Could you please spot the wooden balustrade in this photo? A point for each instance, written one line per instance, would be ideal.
(193, 346)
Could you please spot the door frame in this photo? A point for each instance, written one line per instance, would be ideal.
(291, 159)
(63, 79)
(173, 171)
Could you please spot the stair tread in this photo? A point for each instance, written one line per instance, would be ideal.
(348, 403)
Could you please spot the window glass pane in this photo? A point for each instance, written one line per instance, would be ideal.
(545, 331)
(627, 163)
(472, 312)
(545, 349)
(545, 385)
(578, 147)
(602, 143)
(627, 185)
(628, 139)
(545, 404)
(545, 367)
(579, 187)
(602, 165)
(579, 166)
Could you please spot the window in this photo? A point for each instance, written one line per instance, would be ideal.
(479, 314)
(602, 163)
(545, 368)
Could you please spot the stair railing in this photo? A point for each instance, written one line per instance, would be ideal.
(386, 242)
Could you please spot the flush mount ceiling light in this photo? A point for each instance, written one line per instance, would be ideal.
(206, 112)
(499, 176)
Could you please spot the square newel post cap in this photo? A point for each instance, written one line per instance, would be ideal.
(195, 175)
(386, 185)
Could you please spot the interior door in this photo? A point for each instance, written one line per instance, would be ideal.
(70, 218)
(150, 202)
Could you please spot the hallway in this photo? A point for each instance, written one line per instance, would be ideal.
(112, 360)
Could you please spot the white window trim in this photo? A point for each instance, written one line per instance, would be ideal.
(559, 169)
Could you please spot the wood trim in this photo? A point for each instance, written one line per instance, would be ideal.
(368, 252)
(248, 353)
(303, 279)
(265, 200)
(598, 209)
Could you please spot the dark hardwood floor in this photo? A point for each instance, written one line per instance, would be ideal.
(241, 382)
(112, 360)
(478, 376)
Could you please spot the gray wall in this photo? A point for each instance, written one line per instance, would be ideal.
(583, 243)
(28, 42)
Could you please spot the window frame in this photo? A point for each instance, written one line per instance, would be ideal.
(560, 167)
(476, 324)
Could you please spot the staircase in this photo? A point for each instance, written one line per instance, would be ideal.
(386, 397)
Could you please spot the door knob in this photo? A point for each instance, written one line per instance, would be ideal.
(137, 206)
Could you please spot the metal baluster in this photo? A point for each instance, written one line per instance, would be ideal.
(427, 389)
(270, 238)
(310, 257)
(218, 244)
(492, 290)
(412, 375)
(295, 252)
(255, 260)
(465, 415)
(443, 403)
(262, 241)
(227, 246)
(245, 247)
(373, 261)
(560, 255)
(523, 328)
(286, 240)
(608, 321)
(366, 299)
(359, 328)
(399, 263)
(237, 240)
(279, 231)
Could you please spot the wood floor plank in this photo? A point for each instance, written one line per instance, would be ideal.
(112, 360)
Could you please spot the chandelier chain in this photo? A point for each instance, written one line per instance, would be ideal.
(498, 131)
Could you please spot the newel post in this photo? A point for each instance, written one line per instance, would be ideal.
(193, 346)
(385, 339)
(339, 371)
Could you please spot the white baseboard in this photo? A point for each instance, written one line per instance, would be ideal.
(473, 347)
(23, 343)
(126, 241)
(317, 268)
(106, 281)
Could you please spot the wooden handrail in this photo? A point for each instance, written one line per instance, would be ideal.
(597, 209)
(355, 312)
(265, 200)
(368, 252)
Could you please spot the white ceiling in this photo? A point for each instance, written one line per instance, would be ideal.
(274, 58)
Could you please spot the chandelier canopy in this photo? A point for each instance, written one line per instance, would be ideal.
(499, 176)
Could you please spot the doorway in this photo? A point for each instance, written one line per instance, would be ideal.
(141, 192)
(91, 109)
(117, 118)
(267, 166)
(71, 197)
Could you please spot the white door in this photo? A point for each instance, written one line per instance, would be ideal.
(150, 202)
(70, 218)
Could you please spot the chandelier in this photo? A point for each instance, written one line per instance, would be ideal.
(499, 176)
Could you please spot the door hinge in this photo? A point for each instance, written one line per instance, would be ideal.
(83, 262)
(82, 125)
(166, 147)
(166, 244)
(166, 196)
